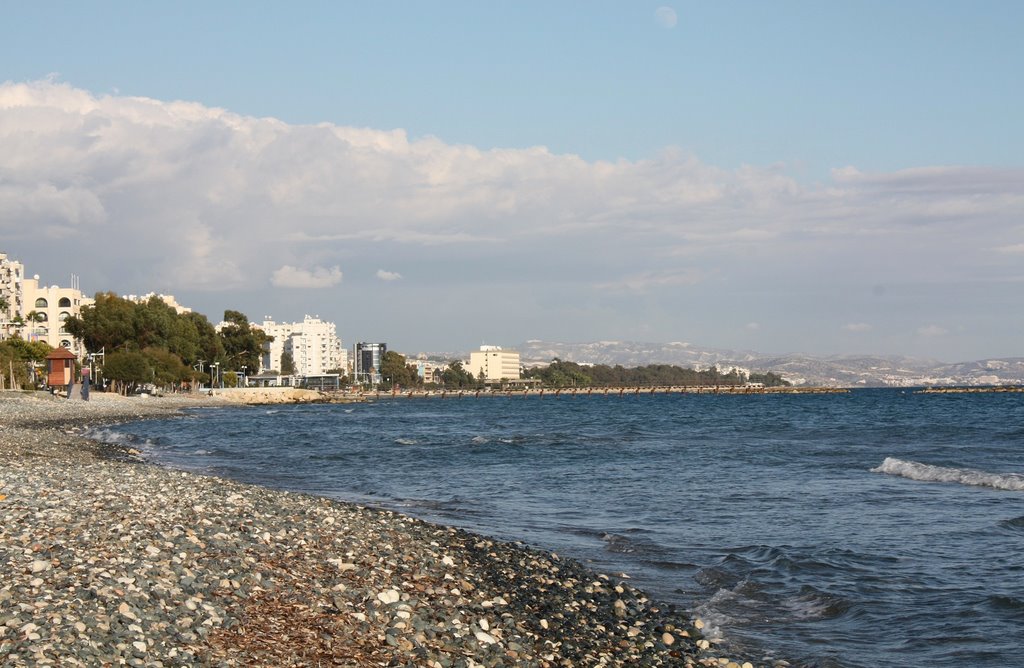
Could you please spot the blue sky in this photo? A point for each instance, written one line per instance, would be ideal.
(788, 176)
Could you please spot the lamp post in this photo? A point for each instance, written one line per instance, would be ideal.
(216, 373)
(243, 375)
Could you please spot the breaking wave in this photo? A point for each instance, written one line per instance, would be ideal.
(928, 473)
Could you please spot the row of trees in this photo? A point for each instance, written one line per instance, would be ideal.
(396, 371)
(150, 342)
(20, 360)
(571, 374)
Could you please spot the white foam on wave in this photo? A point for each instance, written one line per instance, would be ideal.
(406, 441)
(107, 436)
(925, 472)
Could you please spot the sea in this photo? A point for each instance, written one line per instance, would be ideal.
(879, 527)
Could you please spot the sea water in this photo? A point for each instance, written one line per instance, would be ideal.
(874, 528)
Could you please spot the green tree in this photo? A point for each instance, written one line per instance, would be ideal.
(209, 343)
(287, 364)
(22, 357)
(396, 371)
(108, 324)
(243, 344)
(129, 369)
(167, 368)
(455, 375)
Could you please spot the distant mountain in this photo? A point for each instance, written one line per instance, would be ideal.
(836, 371)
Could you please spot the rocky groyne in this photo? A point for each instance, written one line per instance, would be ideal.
(108, 560)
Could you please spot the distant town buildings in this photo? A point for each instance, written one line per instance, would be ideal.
(313, 345)
(494, 363)
(428, 370)
(37, 312)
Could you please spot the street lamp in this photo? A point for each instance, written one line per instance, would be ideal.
(243, 375)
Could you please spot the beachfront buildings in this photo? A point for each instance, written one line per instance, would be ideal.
(12, 274)
(494, 363)
(429, 371)
(313, 346)
(367, 362)
(37, 312)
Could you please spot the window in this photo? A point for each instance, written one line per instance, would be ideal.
(64, 302)
(41, 303)
(64, 315)
(65, 344)
(41, 317)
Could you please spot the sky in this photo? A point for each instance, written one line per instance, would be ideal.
(781, 177)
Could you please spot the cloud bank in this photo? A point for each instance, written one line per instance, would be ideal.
(317, 277)
(169, 193)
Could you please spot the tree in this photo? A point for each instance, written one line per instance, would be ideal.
(395, 370)
(108, 323)
(167, 368)
(129, 369)
(115, 324)
(455, 375)
(22, 357)
(287, 364)
(243, 344)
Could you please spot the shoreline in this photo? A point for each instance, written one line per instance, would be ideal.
(112, 560)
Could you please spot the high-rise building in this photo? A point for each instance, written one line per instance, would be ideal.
(312, 344)
(368, 359)
(12, 273)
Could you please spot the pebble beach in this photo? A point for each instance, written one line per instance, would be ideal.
(108, 560)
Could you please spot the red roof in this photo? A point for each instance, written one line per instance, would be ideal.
(60, 354)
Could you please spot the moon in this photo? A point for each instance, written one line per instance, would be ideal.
(666, 17)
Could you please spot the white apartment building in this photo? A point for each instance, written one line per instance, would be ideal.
(12, 273)
(167, 299)
(495, 363)
(313, 344)
(43, 309)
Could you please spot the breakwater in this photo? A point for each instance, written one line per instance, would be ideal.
(589, 391)
(972, 390)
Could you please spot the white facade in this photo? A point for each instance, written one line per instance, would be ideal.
(12, 273)
(43, 309)
(313, 344)
(167, 299)
(495, 363)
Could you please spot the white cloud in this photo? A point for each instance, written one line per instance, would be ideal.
(666, 17)
(649, 280)
(317, 277)
(388, 275)
(932, 331)
(857, 327)
(139, 194)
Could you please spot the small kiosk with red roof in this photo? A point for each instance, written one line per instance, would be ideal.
(60, 368)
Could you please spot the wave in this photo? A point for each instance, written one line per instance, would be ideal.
(406, 441)
(1015, 524)
(925, 472)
